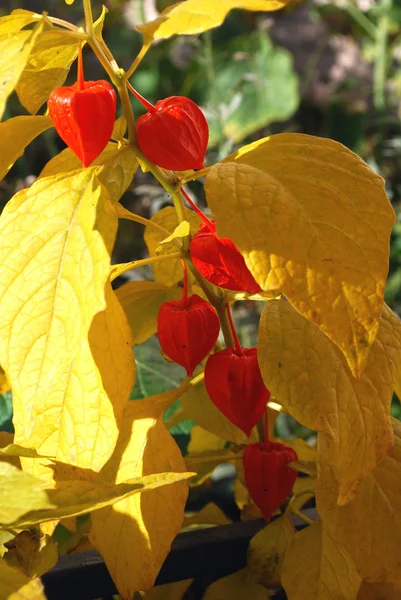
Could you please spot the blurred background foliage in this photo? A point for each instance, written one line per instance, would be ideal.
(329, 68)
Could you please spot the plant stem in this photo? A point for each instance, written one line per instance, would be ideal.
(56, 21)
(185, 290)
(198, 211)
(137, 60)
(360, 18)
(301, 516)
(117, 270)
(123, 213)
(380, 67)
(238, 348)
(129, 115)
(148, 105)
(88, 18)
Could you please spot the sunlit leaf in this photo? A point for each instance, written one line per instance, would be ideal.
(312, 221)
(316, 567)
(310, 377)
(141, 301)
(67, 161)
(15, 47)
(148, 523)
(368, 527)
(168, 272)
(47, 68)
(50, 294)
(14, 585)
(195, 16)
(197, 404)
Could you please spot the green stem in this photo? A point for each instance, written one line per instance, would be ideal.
(88, 17)
(137, 60)
(198, 211)
(300, 515)
(129, 115)
(118, 269)
(380, 67)
(360, 18)
(181, 214)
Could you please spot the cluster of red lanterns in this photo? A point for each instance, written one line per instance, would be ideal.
(174, 135)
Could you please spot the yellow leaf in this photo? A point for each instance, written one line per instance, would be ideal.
(196, 16)
(67, 161)
(312, 221)
(72, 497)
(169, 272)
(210, 515)
(6, 535)
(316, 567)
(378, 591)
(368, 527)
(303, 490)
(238, 586)
(169, 591)
(182, 230)
(148, 523)
(55, 250)
(204, 441)
(14, 585)
(117, 170)
(197, 404)
(15, 48)
(117, 165)
(267, 550)
(119, 129)
(15, 135)
(15, 21)
(4, 385)
(141, 301)
(19, 492)
(310, 377)
(95, 394)
(14, 449)
(32, 554)
(47, 68)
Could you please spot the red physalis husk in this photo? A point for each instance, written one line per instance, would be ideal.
(174, 134)
(187, 330)
(268, 477)
(219, 261)
(235, 385)
(83, 115)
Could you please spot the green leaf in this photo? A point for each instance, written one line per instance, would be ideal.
(254, 85)
(154, 375)
(6, 412)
